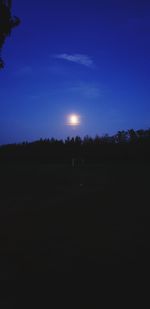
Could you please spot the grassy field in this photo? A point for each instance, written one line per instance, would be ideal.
(59, 221)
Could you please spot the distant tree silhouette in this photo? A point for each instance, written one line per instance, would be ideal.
(121, 136)
(78, 140)
(132, 135)
(7, 23)
(87, 140)
(124, 145)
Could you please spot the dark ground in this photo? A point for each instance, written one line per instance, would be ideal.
(80, 226)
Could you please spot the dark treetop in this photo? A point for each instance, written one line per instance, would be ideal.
(7, 23)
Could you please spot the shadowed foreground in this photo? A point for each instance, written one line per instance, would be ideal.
(58, 223)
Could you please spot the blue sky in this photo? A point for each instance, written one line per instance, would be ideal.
(86, 57)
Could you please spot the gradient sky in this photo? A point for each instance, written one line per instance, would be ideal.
(86, 56)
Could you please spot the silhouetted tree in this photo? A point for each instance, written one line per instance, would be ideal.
(7, 23)
(123, 145)
(105, 139)
(121, 137)
(148, 133)
(140, 133)
(97, 140)
(78, 140)
(88, 140)
(132, 135)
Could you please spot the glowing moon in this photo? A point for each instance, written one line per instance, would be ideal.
(73, 120)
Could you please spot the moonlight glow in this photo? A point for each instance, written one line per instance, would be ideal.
(73, 120)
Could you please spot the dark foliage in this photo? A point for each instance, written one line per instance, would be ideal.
(7, 23)
(121, 146)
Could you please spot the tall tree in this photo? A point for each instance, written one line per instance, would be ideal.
(7, 23)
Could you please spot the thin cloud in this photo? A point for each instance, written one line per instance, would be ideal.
(89, 91)
(77, 58)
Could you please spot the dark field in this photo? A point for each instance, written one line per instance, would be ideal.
(59, 222)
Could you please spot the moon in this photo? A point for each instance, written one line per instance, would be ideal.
(73, 120)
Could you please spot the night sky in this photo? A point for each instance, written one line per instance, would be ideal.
(87, 57)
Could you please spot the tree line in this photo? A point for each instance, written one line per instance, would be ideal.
(124, 145)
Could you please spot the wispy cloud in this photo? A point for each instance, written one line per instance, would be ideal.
(86, 90)
(77, 58)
